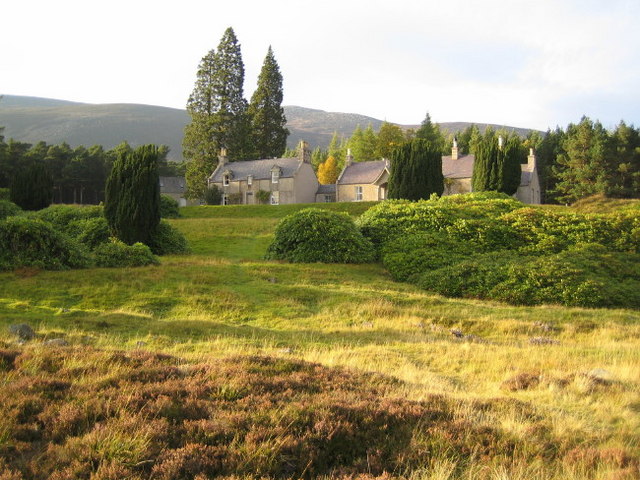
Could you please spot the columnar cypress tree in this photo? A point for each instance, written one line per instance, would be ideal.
(132, 195)
(268, 131)
(32, 187)
(495, 168)
(416, 170)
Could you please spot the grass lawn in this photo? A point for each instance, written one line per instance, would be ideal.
(574, 374)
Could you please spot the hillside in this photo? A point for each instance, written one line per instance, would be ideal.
(31, 119)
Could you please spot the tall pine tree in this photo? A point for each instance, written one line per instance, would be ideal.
(218, 113)
(268, 122)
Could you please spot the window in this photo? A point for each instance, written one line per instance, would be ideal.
(249, 180)
(328, 198)
(275, 175)
(226, 178)
(225, 200)
(358, 193)
(249, 198)
(275, 198)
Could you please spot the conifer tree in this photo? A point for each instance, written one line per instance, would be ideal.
(431, 132)
(132, 195)
(416, 170)
(268, 122)
(32, 187)
(497, 168)
(218, 112)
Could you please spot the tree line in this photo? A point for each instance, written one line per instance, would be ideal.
(62, 174)
(581, 160)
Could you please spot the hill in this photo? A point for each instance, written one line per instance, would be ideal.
(31, 119)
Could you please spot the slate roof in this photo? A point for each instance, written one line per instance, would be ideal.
(326, 189)
(260, 169)
(460, 168)
(363, 172)
(172, 185)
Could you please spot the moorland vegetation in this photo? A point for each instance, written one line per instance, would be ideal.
(221, 364)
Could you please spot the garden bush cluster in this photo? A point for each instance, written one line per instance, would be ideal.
(491, 246)
(65, 236)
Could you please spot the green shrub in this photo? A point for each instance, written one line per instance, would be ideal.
(26, 242)
(486, 235)
(8, 209)
(315, 235)
(119, 254)
(410, 255)
(90, 231)
(587, 275)
(169, 207)
(4, 193)
(167, 240)
(213, 195)
(63, 215)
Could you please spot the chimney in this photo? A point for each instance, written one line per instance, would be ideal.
(349, 160)
(531, 160)
(222, 158)
(454, 149)
(304, 153)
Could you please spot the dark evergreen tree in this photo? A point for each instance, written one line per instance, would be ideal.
(497, 167)
(132, 195)
(268, 122)
(32, 187)
(586, 163)
(218, 112)
(431, 132)
(416, 170)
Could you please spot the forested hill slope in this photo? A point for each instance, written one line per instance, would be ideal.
(31, 119)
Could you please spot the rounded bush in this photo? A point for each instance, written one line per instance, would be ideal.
(169, 207)
(25, 242)
(315, 235)
(91, 231)
(167, 240)
(63, 215)
(119, 254)
(8, 209)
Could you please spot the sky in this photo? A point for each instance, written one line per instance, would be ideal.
(523, 63)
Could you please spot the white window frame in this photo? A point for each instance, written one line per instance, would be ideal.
(249, 180)
(328, 198)
(225, 199)
(226, 180)
(275, 198)
(359, 193)
(275, 176)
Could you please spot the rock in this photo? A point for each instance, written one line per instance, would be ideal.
(23, 331)
(367, 324)
(600, 375)
(140, 344)
(273, 280)
(545, 327)
(286, 350)
(57, 342)
(457, 333)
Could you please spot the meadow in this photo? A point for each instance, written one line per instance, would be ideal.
(363, 375)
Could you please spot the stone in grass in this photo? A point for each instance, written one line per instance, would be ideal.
(23, 331)
(56, 342)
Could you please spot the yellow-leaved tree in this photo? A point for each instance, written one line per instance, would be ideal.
(328, 171)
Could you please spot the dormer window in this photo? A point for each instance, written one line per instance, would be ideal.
(275, 174)
(226, 178)
(249, 180)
